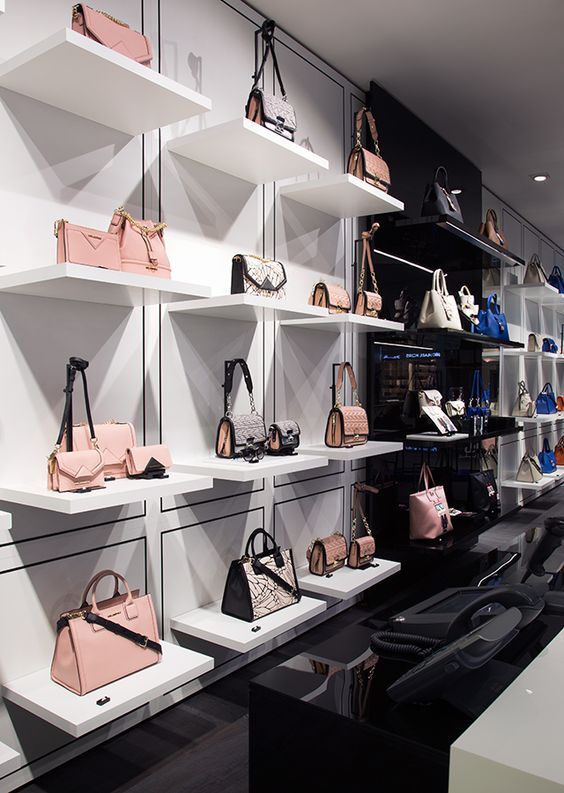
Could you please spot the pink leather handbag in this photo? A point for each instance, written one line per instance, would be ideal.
(148, 462)
(81, 245)
(429, 515)
(114, 438)
(112, 33)
(347, 425)
(333, 297)
(72, 470)
(141, 245)
(102, 642)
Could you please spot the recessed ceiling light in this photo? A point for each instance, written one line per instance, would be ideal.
(456, 191)
(540, 177)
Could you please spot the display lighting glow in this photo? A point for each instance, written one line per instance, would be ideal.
(404, 261)
(539, 177)
(456, 191)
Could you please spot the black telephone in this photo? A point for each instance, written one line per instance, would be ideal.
(452, 634)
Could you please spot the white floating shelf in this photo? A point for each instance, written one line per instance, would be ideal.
(248, 151)
(247, 308)
(115, 494)
(547, 481)
(79, 75)
(434, 438)
(96, 285)
(551, 418)
(346, 582)
(339, 323)
(10, 760)
(509, 353)
(543, 294)
(77, 715)
(342, 196)
(209, 624)
(241, 471)
(370, 449)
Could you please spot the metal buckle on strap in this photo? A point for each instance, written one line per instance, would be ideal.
(144, 642)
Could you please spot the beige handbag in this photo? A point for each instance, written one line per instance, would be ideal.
(330, 296)
(524, 404)
(368, 304)
(439, 309)
(534, 342)
(429, 398)
(535, 274)
(346, 425)
(490, 229)
(327, 554)
(468, 305)
(529, 469)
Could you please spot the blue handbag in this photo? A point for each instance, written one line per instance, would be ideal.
(479, 403)
(491, 322)
(547, 458)
(549, 345)
(546, 401)
(556, 279)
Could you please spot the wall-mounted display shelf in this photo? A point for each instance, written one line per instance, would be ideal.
(209, 624)
(77, 715)
(248, 308)
(342, 196)
(10, 760)
(242, 471)
(543, 294)
(74, 73)
(546, 481)
(346, 582)
(96, 285)
(370, 449)
(551, 418)
(248, 151)
(447, 338)
(541, 356)
(115, 494)
(341, 323)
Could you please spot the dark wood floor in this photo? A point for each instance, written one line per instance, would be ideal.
(200, 745)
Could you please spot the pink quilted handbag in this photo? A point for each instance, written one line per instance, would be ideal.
(112, 33)
(102, 642)
(362, 549)
(81, 245)
(141, 245)
(346, 425)
(429, 515)
(331, 296)
(327, 554)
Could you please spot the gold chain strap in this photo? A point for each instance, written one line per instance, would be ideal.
(78, 7)
(146, 231)
(368, 236)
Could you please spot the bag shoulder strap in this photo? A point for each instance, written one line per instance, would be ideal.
(357, 509)
(267, 34)
(367, 257)
(75, 365)
(228, 385)
(359, 117)
(119, 630)
(346, 367)
(258, 566)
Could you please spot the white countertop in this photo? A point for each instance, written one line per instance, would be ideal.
(517, 744)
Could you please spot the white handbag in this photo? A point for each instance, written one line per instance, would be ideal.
(468, 305)
(529, 469)
(524, 404)
(535, 274)
(439, 309)
(534, 342)
(429, 398)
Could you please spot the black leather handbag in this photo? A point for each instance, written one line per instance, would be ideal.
(283, 437)
(483, 492)
(438, 199)
(258, 584)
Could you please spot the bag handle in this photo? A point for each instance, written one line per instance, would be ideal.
(535, 261)
(267, 34)
(545, 445)
(442, 171)
(548, 389)
(426, 477)
(357, 509)
(367, 256)
(74, 365)
(228, 385)
(359, 117)
(346, 367)
(491, 214)
(250, 551)
(95, 578)
(119, 577)
(492, 304)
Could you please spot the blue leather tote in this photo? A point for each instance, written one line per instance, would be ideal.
(479, 403)
(546, 401)
(556, 279)
(549, 345)
(491, 322)
(547, 458)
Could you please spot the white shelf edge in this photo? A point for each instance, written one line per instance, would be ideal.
(342, 196)
(349, 322)
(10, 760)
(247, 151)
(209, 624)
(40, 69)
(545, 482)
(78, 715)
(370, 449)
(242, 471)
(246, 308)
(347, 583)
(115, 494)
(97, 285)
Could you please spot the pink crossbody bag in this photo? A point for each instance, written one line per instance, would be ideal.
(104, 641)
(141, 245)
(81, 245)
(112, 33)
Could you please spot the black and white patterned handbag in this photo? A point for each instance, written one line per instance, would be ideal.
(236, 434)
(252, 275)
(259, 584)
(283, 437)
